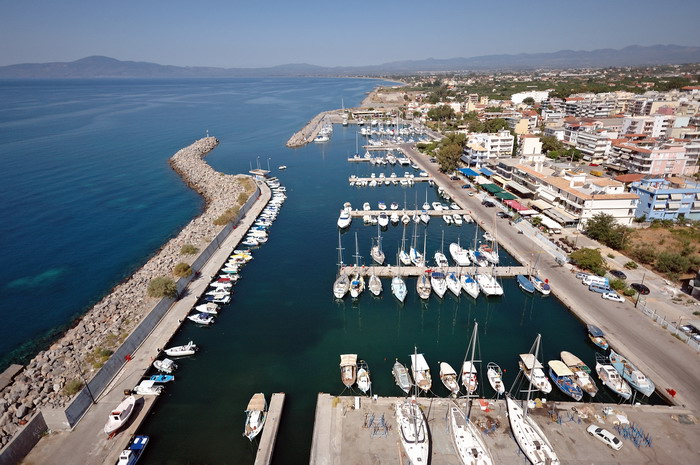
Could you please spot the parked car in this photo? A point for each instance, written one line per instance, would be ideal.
(466, 186)
(502, 215)
(618, 274)
(488, 203)
(454, 178)
(471, 194)
(581, 275)
(614, 296)
(605, 437)
(641, 288)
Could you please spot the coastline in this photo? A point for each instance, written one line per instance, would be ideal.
(80, 351)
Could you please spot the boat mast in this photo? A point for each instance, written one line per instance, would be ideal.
(357, 254)
(534, 363)
(340, 253)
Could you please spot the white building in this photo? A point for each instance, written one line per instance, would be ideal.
(483, 146)
(537, 95)
(652, 126)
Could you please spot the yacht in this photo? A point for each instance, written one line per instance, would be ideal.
(467, 439)
(413, 431)
(469, 285)
(438, 283)
(344, 219)
(488, 284)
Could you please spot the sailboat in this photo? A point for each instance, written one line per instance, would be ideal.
(542, 286)
(476, 256)
(404, 257)
(495, 376)
(469, 285)
(363, 382)
(413, 429)
(377, 253)
(453, 283)
(488, 284)
(440, 259)
(459, 255)
(469, 380)
(421, 371)
(527, 433)
(416, 258)
(341, 286)
(439, 283)
(256, 412)
(398, 285)
(357, 284)
(582, 374)
(525, 284)
(448, 376)
(401, 376)
(348, 369)
(423, 286)
(467, 439)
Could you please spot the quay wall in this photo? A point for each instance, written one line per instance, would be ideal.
(122, 319)
(309, 131)
(24, 441)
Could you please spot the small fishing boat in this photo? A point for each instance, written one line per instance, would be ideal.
(533, 371)
(162, 378)
(439, 283)
(525, 284)
(133, 451)
(563, 378)
(495, 376)
(448, 376)
(401, 376)
(348, 369)
(421, 372)
(611, 378)
(582, 374)
(148, 387)
(166, 365)
(180, 351)
(363, 381)
(423, 286)
(394, 218)
(469, 285)
(631, 374)
(541, 286)
(120, 415)
(201, 318)
(256, 412)
(457, 218)
(381, 205)
(596, 335)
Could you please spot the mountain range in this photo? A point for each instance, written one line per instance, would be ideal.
(105, 67)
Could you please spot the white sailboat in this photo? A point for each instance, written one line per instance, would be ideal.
(453, 283)
(417, 258)
(467, 439)
(341, 286)
(357, 283)
(423, 286)
(526, 432)
(377, 253)
(404, 257)
(459, 255)
(375, 284)
(495, 376)
(398, 285)
(413, 431)
(488, 284)
(469, 379)
(440, 259)
(469, 285)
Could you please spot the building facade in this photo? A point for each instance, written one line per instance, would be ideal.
(666, 199)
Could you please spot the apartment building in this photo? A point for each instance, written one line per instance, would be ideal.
(656, 126)
(483, 146)
(667, 198)
(649, 157)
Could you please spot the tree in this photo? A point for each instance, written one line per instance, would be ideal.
(588, 259)
(448, 156)
(441, 113)
(550, 143)
(182, 270)
(495, 125)
(162, 287)
(529, 101)
(604, 228)
(669, 262)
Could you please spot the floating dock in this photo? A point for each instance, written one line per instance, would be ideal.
(269, 434)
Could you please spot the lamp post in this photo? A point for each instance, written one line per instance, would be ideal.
(87, 385)
(639, 294)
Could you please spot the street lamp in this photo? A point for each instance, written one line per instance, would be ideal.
(268, 164)
(87, 385)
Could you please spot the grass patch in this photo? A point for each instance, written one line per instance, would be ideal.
(73, 387)
(182, 270)
(188, 249)
(99, 357)
(228, 216)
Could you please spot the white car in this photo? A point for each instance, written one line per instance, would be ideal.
(471, 194)
(614, 296)
(605, 436)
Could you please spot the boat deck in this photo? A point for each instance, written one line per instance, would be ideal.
(269, 433)
(390, 271)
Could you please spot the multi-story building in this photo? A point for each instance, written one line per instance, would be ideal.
(656, 126)
(483, 146)
(590, 106)
(537, 95)
(595, 146)
(649, 157)
(666, 198)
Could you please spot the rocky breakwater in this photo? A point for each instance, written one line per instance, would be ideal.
(309, 131)
(55, 375)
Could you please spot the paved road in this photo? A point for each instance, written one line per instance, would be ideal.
(86, 443)
(669, 362)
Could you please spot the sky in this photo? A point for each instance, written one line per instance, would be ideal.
(259, 33)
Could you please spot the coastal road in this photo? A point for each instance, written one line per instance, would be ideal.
(670, 363)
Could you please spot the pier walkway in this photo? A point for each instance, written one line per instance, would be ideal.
(269, 434)
(390, 271)
(398, 179)
(439, 213)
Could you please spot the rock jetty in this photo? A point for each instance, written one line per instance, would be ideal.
(309, 131)
(46, 381)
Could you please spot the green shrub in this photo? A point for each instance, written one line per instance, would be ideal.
(645, 253)
(162, 287)
(73, 387)
(588, 259)
(611, 255)
(243, 198)
(617, 284)
(629, 292)
(182, 270)
(188, 249)
(669, 262)
(228, 216)
(631, 265)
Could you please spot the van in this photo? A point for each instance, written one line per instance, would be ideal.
(599, 288)
(588, 280)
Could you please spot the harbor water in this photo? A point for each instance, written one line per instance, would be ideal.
(98, 194)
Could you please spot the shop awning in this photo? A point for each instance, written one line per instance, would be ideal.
(468, 172)
(541, 205)
(519, 188)
(505, 195)
(515, 205)
(676, 196)
(548, 222)
(528, 212)
(560, 216)
(674, 205)
(481, 180)
(499, 180)
(492, 188)
(486, 171)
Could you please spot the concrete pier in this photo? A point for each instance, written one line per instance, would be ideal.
(398, 179)
(343, 433)
(269, 434)
(390, 271)
(440, 213)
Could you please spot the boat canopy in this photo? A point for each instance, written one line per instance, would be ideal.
(418, 362)
(446, 369)
(559, 368)
(257, 402)
(529, 360)
(468, 367)
(147, 383)
(438, 274)
(570, 359)
(348, 359)
(595, 331)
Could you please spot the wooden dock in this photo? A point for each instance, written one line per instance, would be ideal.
(269, 434)
(389, 271)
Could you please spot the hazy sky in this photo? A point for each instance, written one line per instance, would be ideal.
(232, 33)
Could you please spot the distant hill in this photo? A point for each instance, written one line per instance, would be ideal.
(105, 67)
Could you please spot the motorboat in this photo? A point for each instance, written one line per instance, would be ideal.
(148, 388)
(541, 286)
(425, 217)
(448, 376)
(489, 253)
(209, 307)
(366, 206)
(364, 383)
(447, 219)
(401, 376)
(533, 371)
(530, 438)
(375, 284)
(611, 378)
(394, 205)
(469, 444)
(582, 374)
(421, 372)
(120, 415)
(525, 284)
(596, 335)
(478, 258)
(161, 378)
(348, 369)
(180, 351)
(165, 366)
(133, 451)
(423, 286)
(381, 205)
(488, 284)
(441, 260)
(383, 219)
(563, 378)
(631, 374)
(453, 283)
(201, 318)
(438, 283)
(469, 285)
(437, 206)
(459, 255)
(394, 218)
(457, 219)
(495, 376)
(256, 412)
(413, 431)
(344, 219)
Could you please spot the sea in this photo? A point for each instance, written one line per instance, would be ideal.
(88, 196)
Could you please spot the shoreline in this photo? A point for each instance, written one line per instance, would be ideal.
(79, 352)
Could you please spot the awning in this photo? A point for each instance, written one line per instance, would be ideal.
(560, 216)
(548, 222)
(515, 205)
(697, 196)
(492, 188)
(659, 206)
(498, 180)
(676, 196)
(528, 212)
(519, 188)
(696, 205)
(662, 197)
(481, 180)
(505, 196)
(468, 172)
(541, 205)
(486, 171)
(674, 205)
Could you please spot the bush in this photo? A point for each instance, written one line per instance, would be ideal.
(645, 253)
(611, 255)
(188, 249)
(228, 216)
(617, 284)
(243, 198)
(182, 270)
(588, 259)
(162, 287)
(669, 262)
(631, 265)
(629, 292)
(73, 387)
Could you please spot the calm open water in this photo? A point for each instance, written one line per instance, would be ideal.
(87, 192)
